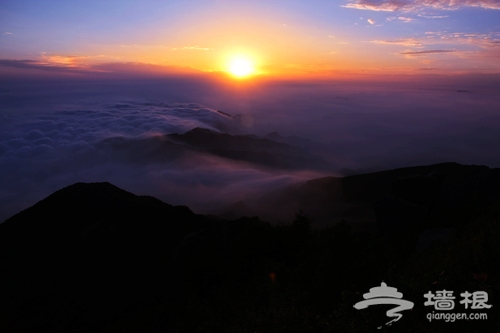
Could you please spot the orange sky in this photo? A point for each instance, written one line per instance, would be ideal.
(319, 39)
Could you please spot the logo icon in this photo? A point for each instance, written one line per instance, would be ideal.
(385, 295)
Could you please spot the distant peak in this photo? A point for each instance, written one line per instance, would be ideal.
(92, 185)
(201, 130)
(273, 135)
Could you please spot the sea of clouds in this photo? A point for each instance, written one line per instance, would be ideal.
(42, 151)
(55, 134)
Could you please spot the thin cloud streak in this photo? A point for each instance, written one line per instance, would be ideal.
(38, 65)
(405, 42)
(416, 53)
(196, 48)
(469, 46)
(64, 65)
(417, 5)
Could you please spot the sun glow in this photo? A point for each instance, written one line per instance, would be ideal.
(241, 67)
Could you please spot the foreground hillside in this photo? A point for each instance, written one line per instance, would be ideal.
(95, 258)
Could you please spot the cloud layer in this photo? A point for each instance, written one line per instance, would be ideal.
(43, 150)
(53, 134)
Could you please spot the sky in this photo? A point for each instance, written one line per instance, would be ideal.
(89, 89)
(297, 38)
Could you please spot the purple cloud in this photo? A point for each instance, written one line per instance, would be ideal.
(417, 53)
(415, 5)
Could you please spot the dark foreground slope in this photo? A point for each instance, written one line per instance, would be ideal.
(438, 194)
(95, 258)
(87, 256)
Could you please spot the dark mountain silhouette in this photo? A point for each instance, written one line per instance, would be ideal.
(250, 148)
(96, 258)
(246, 148)
(207, 139)
(436, 192)
(87, 256)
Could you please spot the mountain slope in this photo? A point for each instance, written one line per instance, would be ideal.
(96, 258)
(87, 256)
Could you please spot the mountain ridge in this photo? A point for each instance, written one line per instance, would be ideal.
(94, 257)
(252, 149)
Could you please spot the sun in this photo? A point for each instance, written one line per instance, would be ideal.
(241, 67)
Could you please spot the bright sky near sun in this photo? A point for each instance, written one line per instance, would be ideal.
(282, 37)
